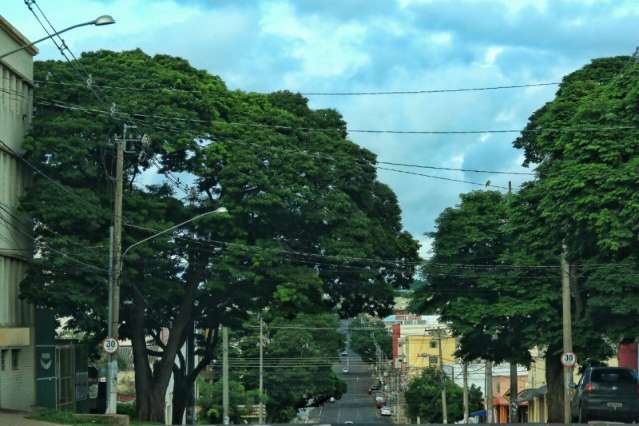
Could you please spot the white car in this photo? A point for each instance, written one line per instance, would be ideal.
(348, 422)
(332, 399)
(345, 353)
(345, 370)
(385, 411)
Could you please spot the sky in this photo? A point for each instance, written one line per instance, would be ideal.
(376, 45)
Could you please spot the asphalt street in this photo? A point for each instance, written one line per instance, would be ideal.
(356, 405)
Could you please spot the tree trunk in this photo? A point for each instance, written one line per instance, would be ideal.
(150, 404)
(555, 383)
(182, 394)
(150, 387)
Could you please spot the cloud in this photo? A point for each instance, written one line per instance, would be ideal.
(361, 45)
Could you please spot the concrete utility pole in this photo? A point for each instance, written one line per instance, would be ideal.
(397, 390)
(225, 375)
(513, 392)
(489, 392)
(114, 301)
(441, 369)
(261, 415)
(465, 395)
(567, 329)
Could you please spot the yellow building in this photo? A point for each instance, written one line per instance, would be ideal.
(419, 352)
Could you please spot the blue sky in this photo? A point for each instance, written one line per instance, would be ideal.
(364, 45)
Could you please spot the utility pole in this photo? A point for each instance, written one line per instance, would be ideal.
(465, 390)
(261, 415)
(114, 301)
(567, 329)
(513, 392)
(489, 392)
(441, 368)
(225, 374)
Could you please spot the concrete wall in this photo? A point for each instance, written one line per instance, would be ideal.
(17, 381)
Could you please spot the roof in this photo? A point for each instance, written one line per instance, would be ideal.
(17, 36)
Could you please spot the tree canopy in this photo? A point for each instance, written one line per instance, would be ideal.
(424, 398)
(306, 212)
(500, 255)
(367, 335)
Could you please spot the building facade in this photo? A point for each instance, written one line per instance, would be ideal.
(17, 334)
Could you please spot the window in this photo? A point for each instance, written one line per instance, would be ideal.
(613, 375)
(433, 360)
(433, 344)
(3, 359)
(15, 358)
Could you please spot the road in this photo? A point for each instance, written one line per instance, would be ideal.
(356, 404)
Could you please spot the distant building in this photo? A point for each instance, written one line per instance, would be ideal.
(17, 335)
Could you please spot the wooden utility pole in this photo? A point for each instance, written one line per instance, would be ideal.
(513, 393)
(489, 392)
(225, 375)
(465, 378)
(441, 368)
(567, 330)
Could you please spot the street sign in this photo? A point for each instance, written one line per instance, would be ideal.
(110, 345)
(568, 359)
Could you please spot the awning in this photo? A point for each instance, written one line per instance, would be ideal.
(527, 395)
(479, 413)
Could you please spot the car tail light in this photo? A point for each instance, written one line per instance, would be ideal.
(588, 388)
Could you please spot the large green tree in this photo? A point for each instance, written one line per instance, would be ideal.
(585, 196)
(298, 357)
(368, 335)
(584, 144)
(306, 213)
(467, 285)
(424, 397)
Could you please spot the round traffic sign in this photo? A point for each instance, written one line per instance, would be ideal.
(568, 359)
(110, 345)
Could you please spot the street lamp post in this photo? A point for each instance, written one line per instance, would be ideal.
(99, 21)
(114, 304)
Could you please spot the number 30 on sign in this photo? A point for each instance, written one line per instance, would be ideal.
(568, 359)
(110, 345)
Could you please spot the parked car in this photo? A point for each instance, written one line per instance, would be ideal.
(376, 386)
(345, 370)
(344, 353)
(331, 399)
(606, 393)
(385, 411)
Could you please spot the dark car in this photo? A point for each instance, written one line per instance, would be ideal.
(607, 393)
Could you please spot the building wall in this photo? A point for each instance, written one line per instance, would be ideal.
(17, 381)
(423, 351)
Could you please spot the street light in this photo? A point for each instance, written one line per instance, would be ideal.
(114, 304)
(172, 228)
(99, 21)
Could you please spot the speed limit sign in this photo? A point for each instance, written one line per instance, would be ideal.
(568, 359)
(110, 345)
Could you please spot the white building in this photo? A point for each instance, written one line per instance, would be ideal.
(17, 353)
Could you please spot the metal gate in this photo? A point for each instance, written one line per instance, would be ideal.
(65, 371)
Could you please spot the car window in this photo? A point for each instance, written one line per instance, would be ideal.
(613, 376)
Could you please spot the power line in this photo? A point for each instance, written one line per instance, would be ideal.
(587, 129)
(430, 91)
(422, 166)
(487, 184)
(318, 93)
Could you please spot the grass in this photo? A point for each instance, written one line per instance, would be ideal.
(69, 418)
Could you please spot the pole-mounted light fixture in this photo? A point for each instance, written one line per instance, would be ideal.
(99, 21)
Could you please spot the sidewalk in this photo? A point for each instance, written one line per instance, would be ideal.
(18, 419)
